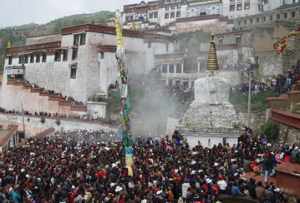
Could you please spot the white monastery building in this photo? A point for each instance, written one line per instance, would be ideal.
(161, 13)
(71, 73)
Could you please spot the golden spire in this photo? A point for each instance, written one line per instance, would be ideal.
(212, 61)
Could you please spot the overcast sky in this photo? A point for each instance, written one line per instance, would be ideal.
(18, 12)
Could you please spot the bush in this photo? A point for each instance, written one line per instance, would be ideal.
(271, 131)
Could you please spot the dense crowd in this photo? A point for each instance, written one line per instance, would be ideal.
(45, 115)
(80, 166)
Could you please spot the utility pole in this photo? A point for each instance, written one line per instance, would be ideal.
(23, 119)
(249, 96)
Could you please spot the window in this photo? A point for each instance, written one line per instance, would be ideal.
(65, 54)
(251, 20)
(167, 47)
(102, 55)
(38, 58)
(21, 59)
(172, 15)
(238, 40)
(239, 7)
(149, 45)
(10, 60)
(82, 38)
(257, 20)
(57, 55)
(74, 53)
(221, 41)
(73, 71)
(285, 15)
(25, 59)
(172, 7)
(44, 58)
(247, 5)
(31, 58)
(293, 14)
(178, 68)
(165, 68)
(151, 15)
(202, 13)
(271, 17)
(167, 16)
(156, 14)
(245, 22)
(76, 40)
(264, 19)
(171, 68)
(278, 16)
(178, 14)
(232, 8)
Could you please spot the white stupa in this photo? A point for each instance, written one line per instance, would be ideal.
(211, 118)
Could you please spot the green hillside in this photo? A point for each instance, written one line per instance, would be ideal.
(17, 34)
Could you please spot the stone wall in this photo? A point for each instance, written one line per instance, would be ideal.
(210, 26)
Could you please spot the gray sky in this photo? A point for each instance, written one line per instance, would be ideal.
(18, 12)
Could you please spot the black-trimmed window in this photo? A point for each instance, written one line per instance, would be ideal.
(65, 54)
(167, 16)
(171, 68)
(10, 58)
(21, 59)
(278, 16)
(82, 38)
(74, 53)
(25, 59)
(31, 58)
(76, 40)
(172, 15)
(293, 14)
(239, 7)
(44, 58)
(178, 68)
(178, 14)
(102, 55)
(38, 58)
(73, 71)
(164, 68)
(57, 56)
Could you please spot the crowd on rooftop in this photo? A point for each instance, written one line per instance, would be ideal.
(279, 84)
(82, 166)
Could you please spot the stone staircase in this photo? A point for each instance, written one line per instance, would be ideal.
(36, 99)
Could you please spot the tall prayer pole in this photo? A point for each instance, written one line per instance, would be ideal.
(124, 102)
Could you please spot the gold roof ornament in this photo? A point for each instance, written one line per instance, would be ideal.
(212, 61)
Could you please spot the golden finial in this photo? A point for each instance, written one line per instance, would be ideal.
(212, 61)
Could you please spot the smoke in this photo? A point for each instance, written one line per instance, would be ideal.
(152, 104)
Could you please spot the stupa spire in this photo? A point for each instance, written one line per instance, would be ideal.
(212, 61)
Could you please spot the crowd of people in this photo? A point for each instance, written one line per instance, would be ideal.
(279, 84)
(45, 115)
(86, 166)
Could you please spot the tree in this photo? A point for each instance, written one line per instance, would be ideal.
(271, 131)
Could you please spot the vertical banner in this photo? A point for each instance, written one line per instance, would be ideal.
(124, 101)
